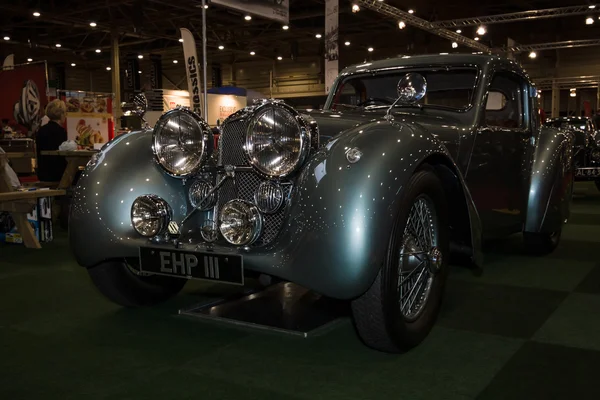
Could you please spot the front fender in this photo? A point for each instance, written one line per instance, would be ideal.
(100, 220)
(551, 181)
(343, 213)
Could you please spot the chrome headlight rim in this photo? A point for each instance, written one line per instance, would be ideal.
(163, 210)
(255, 213)
(205, 143)
(277, 204)
(212, 199)
(306, 133)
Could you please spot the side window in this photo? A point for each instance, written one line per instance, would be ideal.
(504, 107)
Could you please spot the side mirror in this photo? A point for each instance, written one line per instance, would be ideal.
(411, 88)
(138, 106)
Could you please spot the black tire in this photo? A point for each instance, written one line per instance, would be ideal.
(116, 281)
(377, 316)
(541, 243)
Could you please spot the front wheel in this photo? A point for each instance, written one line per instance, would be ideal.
(117, 281)
(401, 306)
(541, 243)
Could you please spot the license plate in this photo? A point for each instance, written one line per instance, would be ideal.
(592, 171)
(225, 268)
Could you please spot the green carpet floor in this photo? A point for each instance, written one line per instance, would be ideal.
(528, 328)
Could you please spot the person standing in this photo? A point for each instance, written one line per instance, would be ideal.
(49, 138)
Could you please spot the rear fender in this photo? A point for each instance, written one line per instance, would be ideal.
(551, 181)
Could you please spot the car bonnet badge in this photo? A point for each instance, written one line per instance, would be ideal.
(173, 228)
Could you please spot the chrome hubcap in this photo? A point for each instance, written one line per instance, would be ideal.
(420, 259)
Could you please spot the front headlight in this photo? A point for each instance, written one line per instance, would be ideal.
(278, 139)
(150, 215)
(181, 142)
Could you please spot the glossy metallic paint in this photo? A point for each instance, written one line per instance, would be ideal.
(339, 215)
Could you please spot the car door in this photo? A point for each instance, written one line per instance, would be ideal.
(497, 173)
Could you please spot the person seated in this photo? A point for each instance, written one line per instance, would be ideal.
(49, 138)
(10, 173)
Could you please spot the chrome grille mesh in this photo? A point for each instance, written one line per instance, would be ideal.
(245, 184)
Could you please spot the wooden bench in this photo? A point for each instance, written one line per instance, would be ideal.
(18, 204)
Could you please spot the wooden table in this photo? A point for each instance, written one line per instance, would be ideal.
(18, 204)
(20, 155)
(75, 159)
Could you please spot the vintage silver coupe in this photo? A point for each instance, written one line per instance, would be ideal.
(411, 161)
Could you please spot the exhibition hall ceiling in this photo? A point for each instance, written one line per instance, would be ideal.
(34, 29)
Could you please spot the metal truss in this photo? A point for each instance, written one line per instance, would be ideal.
(518, 16)
(575, 82)
(410, 19)
(552, 45)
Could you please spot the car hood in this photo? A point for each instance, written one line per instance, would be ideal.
(333, 123)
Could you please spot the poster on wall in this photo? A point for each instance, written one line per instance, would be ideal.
(24, 97)
(89, 119)
(276, 10)
(221, 106)
(331, 42)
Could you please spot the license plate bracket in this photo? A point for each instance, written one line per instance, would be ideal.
(206, 266)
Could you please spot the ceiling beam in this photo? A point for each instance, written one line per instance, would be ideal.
(518, 16)
(566, 44)
(410, 19)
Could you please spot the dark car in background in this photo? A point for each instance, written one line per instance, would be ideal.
(586, 151)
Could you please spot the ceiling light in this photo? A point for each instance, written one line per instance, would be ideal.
(411, 11)
(318, 36)
(29, 59)
(140, 56)
(458, 31)
(285, 27)
(454, 45)
(108, 68)
(93, 24)
(57, 44)
(370, 49)
(6, 38)
(247, 18)
(139, 72)
(181, 40)
(73, 64)
(221, 47)
(573, 94)
(589, 21)
(347, 43)
(98, 51)
(532, 54)
(401, 25)
(252, 53)
(592, 7)
(477, 39)
(36, 14)
(280, 58)
(206, 6)
(175, 61)
(481, 31)
(355, 8)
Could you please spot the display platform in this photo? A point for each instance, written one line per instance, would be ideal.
(283, 308)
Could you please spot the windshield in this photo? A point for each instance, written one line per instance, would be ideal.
(447, 88)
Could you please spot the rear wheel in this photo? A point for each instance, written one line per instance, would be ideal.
(117, 281)
(401, 307)
(541, 243)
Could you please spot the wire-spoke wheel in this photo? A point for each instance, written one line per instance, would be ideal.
(419, 258)
(401, 306)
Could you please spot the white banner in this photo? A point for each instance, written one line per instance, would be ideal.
(277, 10)
(192, 69)
(9, 62)
(331, 42)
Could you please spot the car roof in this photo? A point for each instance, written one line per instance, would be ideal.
(479, 59)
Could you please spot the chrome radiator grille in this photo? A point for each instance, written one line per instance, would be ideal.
(231, 152)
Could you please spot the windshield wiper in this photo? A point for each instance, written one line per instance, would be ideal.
(352, 106)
